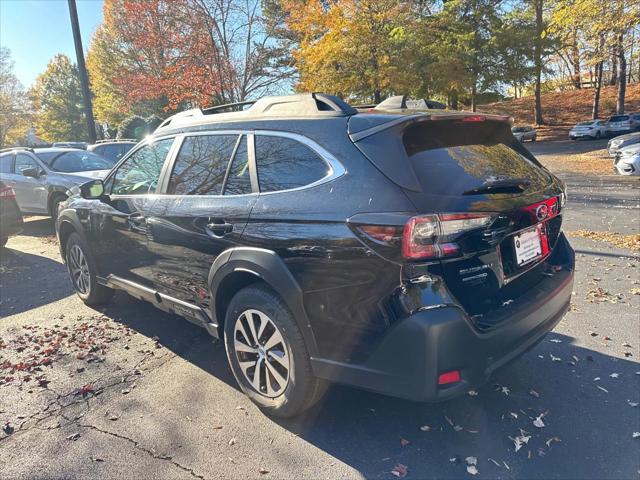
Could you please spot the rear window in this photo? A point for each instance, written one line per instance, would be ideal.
(450, 158)
(619, 118)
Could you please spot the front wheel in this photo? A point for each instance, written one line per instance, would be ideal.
(82, 270)
(267, 353)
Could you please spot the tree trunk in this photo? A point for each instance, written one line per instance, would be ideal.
(622, 76)
(474, 92)
(613, 73)
(537, 53)
(377, 97)
(596, 94)
(575, 60)
(453, 100)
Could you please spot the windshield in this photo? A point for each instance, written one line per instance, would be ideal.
(585, 124)
(77, 161)
(519, 129)
(619, 118)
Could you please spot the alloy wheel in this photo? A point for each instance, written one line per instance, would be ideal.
(79, 269)
(262, 353)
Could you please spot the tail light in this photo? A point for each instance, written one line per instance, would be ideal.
(431, 236)
(7, 192)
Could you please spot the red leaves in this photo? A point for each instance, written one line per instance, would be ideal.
(86, 390)
(400, 470)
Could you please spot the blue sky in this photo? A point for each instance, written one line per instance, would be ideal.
(35, 30)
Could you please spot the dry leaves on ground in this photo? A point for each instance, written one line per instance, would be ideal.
(632, 242)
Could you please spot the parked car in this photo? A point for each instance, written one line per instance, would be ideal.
(594, 129)
(78, 145)
(622, 141)
(619, 124)
(410, 254)
(10, 216)
(627, 160)
(403, 102)
(524, 133)
(112, 150)
(42, 176)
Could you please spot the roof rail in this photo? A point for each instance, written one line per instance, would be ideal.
(11, 149)
(303, 104)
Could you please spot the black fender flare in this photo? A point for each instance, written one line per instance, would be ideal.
(268, 266)
(70, 218)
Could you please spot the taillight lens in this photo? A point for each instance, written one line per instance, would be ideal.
(7, 192)
(431, 236)
(380, 233)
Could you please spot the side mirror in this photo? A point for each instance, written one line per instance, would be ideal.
(92, 190)
(30, 172)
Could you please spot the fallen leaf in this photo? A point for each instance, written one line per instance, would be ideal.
(471, 469)
(494, 462)
(471, 460)
(425, 428)
(263, 471)
(632, 404)
(96, 459)
(505, 390)
(533, 393)
(635, 434)
(232, 441)
(404, 442)
(85, 389)
(555, 340)
(538, 421)
(603, 389)
(472, 393)
(614, 375)
(554, 358)
(551, 440)
(73, 436)
(400, 470)
(455, 459)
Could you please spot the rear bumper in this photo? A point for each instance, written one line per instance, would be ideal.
(418, 349)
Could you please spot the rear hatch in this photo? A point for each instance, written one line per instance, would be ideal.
(487, 212)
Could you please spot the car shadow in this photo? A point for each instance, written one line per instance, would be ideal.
(373, 433)
(38, 227)
(20, 271)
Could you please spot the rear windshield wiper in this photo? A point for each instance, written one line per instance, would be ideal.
(513, 185)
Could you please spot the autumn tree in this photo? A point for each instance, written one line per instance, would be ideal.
(15, 118)
(57, 102)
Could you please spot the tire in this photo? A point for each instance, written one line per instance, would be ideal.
(300, 389)
(53, 206)
(84, 282)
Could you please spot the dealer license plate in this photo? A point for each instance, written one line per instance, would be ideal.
(528, 246)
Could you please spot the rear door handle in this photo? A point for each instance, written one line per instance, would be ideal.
(218, 228)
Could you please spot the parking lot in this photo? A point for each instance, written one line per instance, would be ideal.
(132, 392)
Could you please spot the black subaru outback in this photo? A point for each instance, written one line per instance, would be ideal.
(409, 253)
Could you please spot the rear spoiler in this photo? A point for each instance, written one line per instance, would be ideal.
(356, 134)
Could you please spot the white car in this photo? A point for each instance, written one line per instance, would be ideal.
(589, 129)
(627, 161)
(620, 124)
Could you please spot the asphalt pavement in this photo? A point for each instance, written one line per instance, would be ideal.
(131, 392)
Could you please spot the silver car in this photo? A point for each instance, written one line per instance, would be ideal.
(524, 133)
(589, 129)
(627, 160)
(42, 176)
(622, 141)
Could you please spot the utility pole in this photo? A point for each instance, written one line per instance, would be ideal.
(84, 79)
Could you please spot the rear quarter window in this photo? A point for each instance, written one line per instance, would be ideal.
(284, 163)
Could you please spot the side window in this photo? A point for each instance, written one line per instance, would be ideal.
(139, 174)
(6, 163)
(284, 163)
(201, 164)
(239, 181)
(25, 161)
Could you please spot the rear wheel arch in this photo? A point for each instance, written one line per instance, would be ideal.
(239, 267)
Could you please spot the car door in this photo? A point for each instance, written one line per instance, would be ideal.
(118, 222)
(31, 192)
(209, 194)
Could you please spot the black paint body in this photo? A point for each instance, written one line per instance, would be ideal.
(368, 316)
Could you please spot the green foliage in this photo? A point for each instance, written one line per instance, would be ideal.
(133, 127)
(57, 101)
